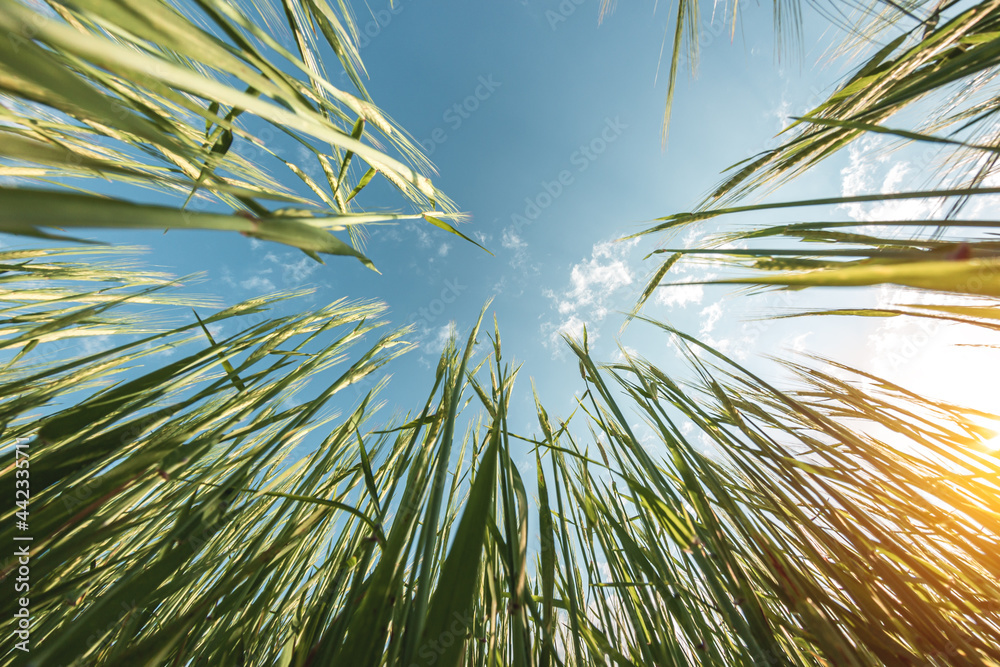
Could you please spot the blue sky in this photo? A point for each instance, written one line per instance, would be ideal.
(544, 125)
(557, 118)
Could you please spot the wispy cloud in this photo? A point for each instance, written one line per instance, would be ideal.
(514, 242)
(423, 238)
(571, 326)
(596, 286)
(871, 169)
(710, 316)
(296, 273)
(679, 296)
(618, 355)
(95, 344)
(257, 283)
(438, 339)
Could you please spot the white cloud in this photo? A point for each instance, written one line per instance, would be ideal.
(983, 207)
(781, 113)
(596, 287)
(571, 327)
(894, 179)
(297, 272)
(726, 346)
(423, 238)
(168, 350)
(257, 283)
(797, 345)
(679, 296)
(595, 277)
(710, 317)
(95, 344)
(482, 237)
(618, 355)
(499, 286)
(512, 241)
(696, 236)
(871, 170)
(439, 339)
(390, 233)
(443, 249)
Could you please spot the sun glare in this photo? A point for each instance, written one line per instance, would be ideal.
(949, 365)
